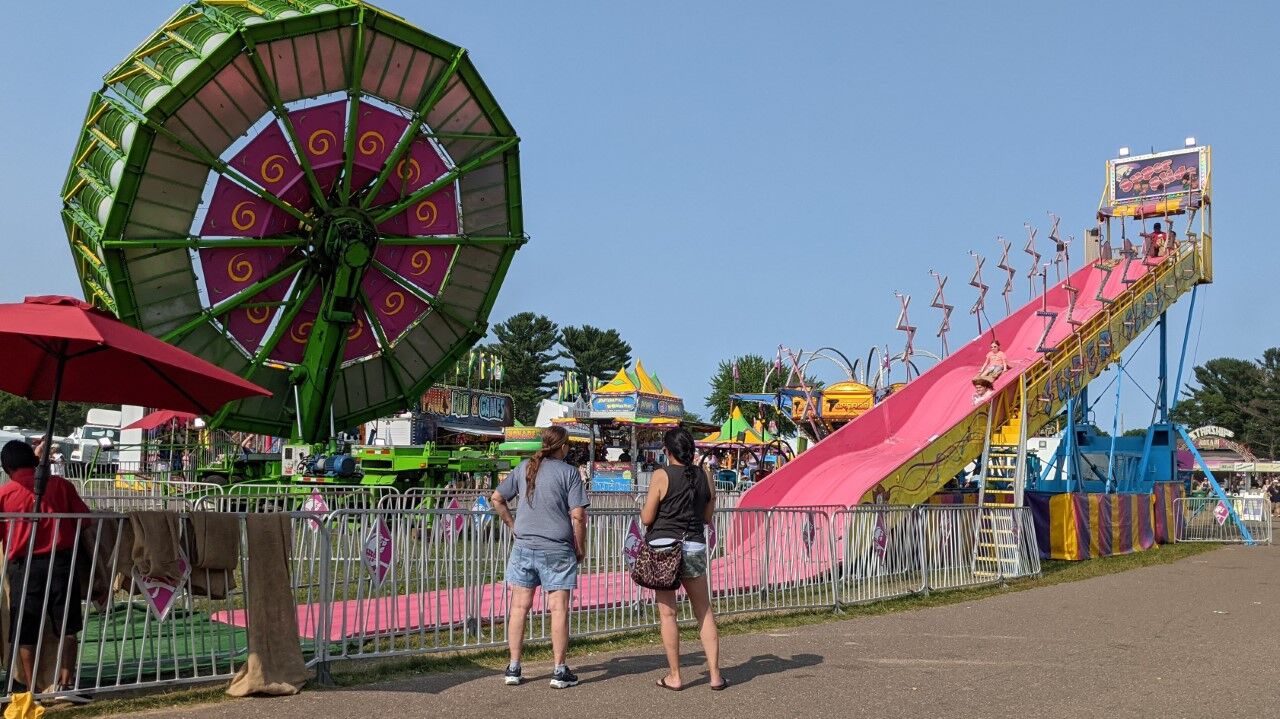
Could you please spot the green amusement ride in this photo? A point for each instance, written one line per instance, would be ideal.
(317, 196)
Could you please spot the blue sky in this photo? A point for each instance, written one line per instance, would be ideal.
(798, 165)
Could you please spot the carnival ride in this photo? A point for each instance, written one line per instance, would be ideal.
(907, 447)
(317, 196)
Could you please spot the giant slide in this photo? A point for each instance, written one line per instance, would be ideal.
(906, 447)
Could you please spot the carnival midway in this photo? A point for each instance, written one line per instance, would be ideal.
(291, 220)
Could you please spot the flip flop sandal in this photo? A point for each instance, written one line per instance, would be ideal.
(724, 684)
(663, 684)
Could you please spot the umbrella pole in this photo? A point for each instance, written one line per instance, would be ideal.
(42, 470)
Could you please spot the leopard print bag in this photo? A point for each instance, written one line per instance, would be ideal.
(658, 567)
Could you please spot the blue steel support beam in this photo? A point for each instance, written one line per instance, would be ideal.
(1182, 356)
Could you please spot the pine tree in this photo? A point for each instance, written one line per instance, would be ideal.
(526, 348)
(593, 353)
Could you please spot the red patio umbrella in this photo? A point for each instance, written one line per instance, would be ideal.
(60, 348)
(161, 418)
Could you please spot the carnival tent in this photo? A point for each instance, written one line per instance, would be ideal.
(737, 432)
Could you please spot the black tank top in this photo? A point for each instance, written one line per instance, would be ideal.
(681, 512)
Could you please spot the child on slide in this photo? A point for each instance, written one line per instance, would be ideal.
(994, 366)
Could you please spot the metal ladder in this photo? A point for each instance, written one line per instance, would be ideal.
(1003, 479)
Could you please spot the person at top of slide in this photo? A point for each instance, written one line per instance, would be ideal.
(992, 367)
(1155, 241)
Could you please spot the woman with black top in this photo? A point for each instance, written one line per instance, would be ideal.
(681, 500)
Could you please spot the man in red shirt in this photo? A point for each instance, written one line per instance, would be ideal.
(44, 589)
(1156, 240)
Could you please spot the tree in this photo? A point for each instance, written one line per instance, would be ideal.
(691, 417)
(1240, 395)
(27, 414)
(594, 353)
(1226, 385)
(526, 345)
(752, 370)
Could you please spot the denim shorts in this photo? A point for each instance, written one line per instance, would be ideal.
(551, 569)
(695, 564)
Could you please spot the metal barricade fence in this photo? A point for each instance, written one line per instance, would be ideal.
(1206, 519)
(389, 581)
(1028, 544)
(950, 539)
(317, 499)
(128, 495)
(878, 550)
(94, 627)
(432, 498)
(772, 559)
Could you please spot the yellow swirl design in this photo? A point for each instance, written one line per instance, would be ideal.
(258, 315)
(420, 262)
(393, 303)
(409, 170)
(300, 333)
(242, 215)
(321, 141)
(238, 268)
(272, 169)
(356, 330)
(372, 142)
(426, 212)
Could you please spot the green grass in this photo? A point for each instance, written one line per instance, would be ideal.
(368, 671)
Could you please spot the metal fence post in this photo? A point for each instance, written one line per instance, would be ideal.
(921, 517)
(837, 565)
(764, 561)
(323, 674)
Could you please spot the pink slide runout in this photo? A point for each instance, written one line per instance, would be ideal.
(846, 467)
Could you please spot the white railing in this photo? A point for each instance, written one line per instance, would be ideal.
(123, 644)
(377, 574)
(1207, 519)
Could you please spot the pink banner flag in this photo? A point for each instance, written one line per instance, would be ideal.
(457, 521)
(161, 593)
(316, 505)
(379, 552)
(880, 536)
(1221, 513)
(631, 546)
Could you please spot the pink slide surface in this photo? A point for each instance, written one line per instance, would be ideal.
(842, 468)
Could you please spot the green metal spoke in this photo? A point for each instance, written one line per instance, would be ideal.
(353, 108)
(205, 242)
(430, 98)
(444, 308)
(232, 302)
(383, 344)
(294, 302)
(282, 114)
(437, 240)
(225, 170)
(382, 215)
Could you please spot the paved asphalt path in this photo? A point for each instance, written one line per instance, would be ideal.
(1190, 639)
